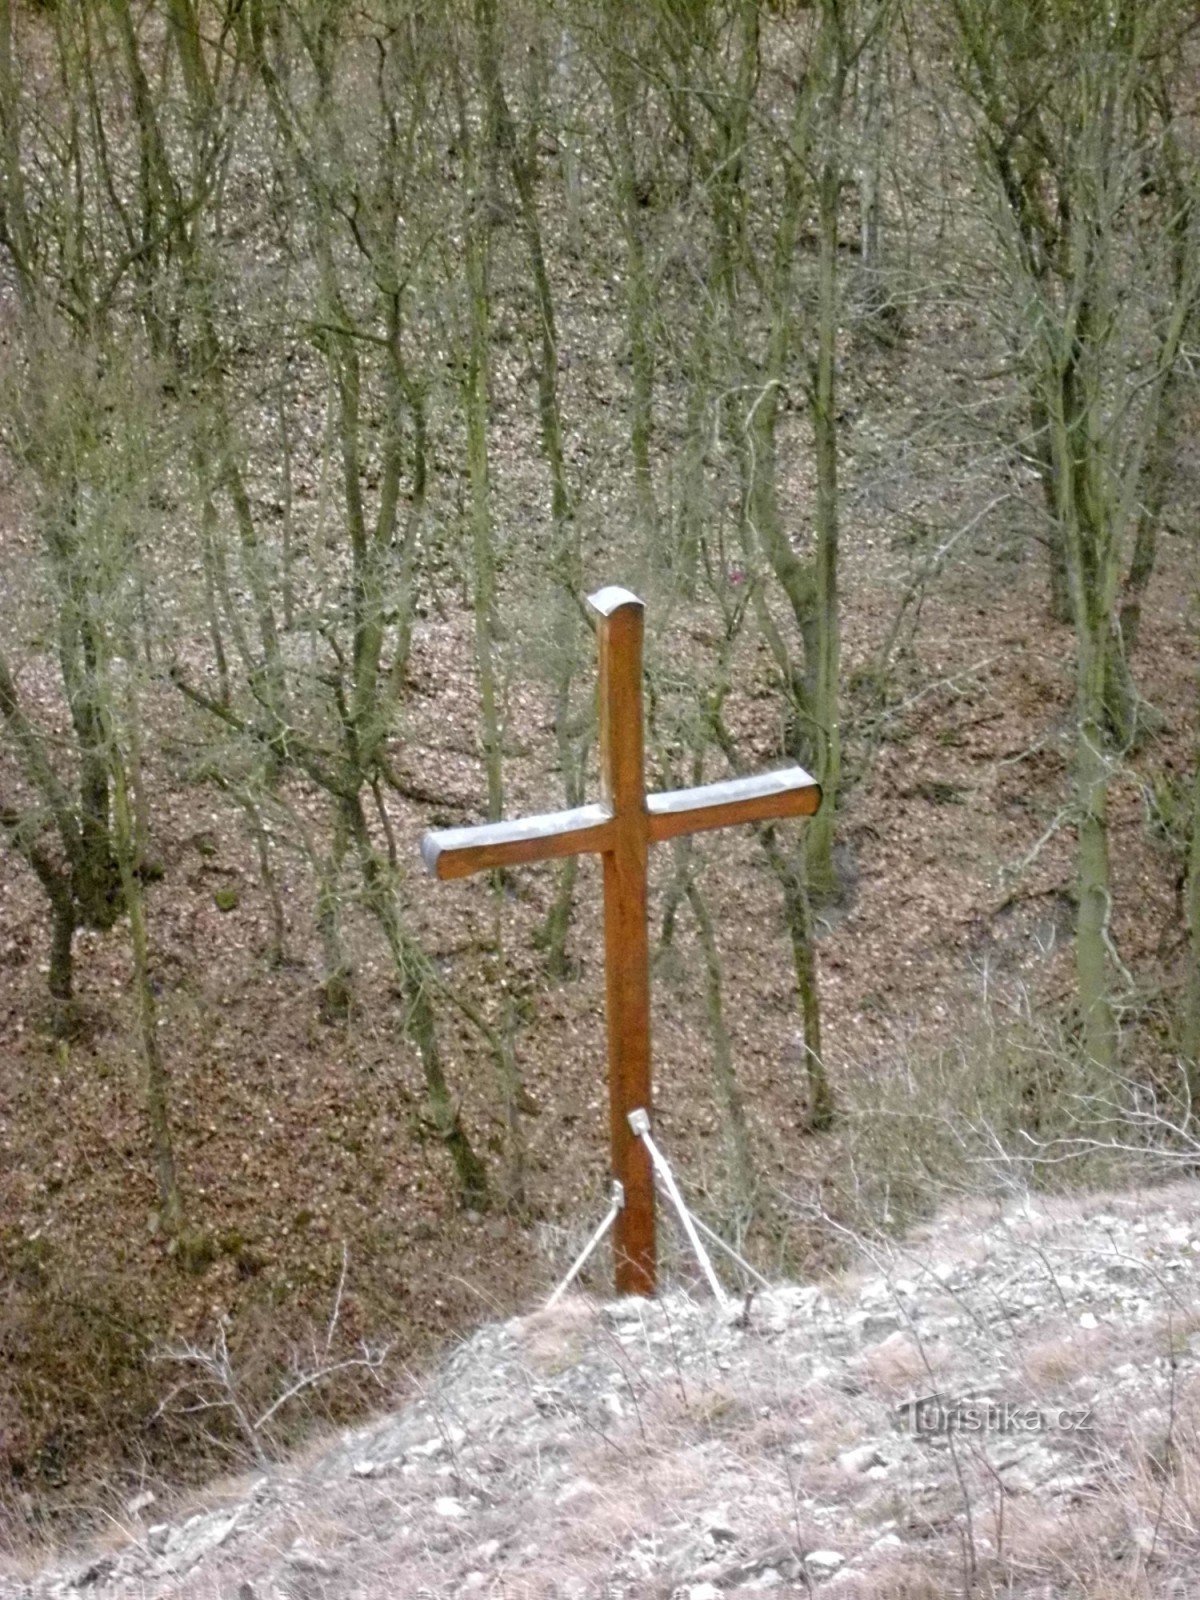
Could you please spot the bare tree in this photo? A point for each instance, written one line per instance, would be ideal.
(1074, 125)
(82, 427)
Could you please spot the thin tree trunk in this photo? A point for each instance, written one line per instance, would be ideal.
(410, 543)
(572, 756)
(513, 1092)
(676, 894)
(1092, 776)
(1125, 710)
(822, 875)
(789, 870)
(638, 297)
(1156, 478)
(472, 1175)
(516, 1100)
(154, 1078)
(690, 495)
(1042, 452)
(740, 1151)
(277, 948)
(1190, 1031)
(287, 580)
(1085, 517)
(410, 966)
(872, 72)
(762, 523)
(96, 876)
(484, 563)
(212, 615)
(15, 229)
(62, 964)
(337, 984)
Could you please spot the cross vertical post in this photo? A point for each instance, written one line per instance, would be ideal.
(626, 942)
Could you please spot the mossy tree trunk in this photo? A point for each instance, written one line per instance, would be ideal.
(1102, 276)
(826, 674)
(733, 1102)
(476, 405)
(634, 198)
(1190, 1020)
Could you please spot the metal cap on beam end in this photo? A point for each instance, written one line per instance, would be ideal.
(613, 598)
(430, 851)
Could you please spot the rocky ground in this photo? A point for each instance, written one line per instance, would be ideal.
(680, 1450)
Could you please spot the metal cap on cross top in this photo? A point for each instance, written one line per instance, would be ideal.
(621, 828)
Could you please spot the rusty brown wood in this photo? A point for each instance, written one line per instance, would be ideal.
(458, 852)
(626, 940)
(621, 828)
(790, 793)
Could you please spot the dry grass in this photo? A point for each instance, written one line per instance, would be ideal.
(1050, 1363)
(902, 1364)
(899, 1578)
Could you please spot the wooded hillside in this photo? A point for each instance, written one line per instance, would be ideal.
(344, 350)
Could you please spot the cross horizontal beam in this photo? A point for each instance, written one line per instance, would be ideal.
(459, 852)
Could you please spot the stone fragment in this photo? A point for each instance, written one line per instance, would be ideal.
(93, 1572)
(573, 1491)
(878, 1323)
(718, 1530)
(303, 1558)
(440, 1444)
(859, 1460)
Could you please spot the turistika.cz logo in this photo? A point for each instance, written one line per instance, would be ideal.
(937, 1414)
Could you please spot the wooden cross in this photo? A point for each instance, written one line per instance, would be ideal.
(623, 825)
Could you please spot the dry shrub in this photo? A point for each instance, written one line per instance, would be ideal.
(1135, 1585)
(929, 1128)
(554, 1338)
(637, 1494)
(901, 1363)
(901, 1577)
(1033, 1538)
(1064, 1358)
(1159, 1459)
(73, 1368)
(831, 1420)
(702, 1412)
